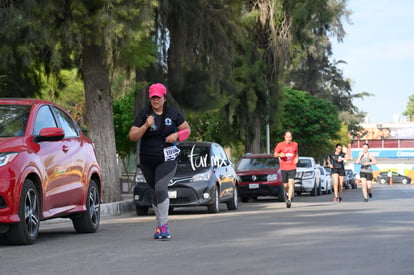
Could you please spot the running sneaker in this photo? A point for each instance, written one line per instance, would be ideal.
(340, 199)
(365, 200)
(335, 199)
(370, 194)
(288, 203)
(157, 233)
(164, 234)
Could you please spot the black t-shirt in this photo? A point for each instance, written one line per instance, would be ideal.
(153, 142)
(334, 160)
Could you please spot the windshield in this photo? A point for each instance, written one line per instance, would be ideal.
(258, 163)
(305, 163)
(13, 120)
(193, 158)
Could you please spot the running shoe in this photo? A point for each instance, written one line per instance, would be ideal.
(365, 200)
(288, 203)
(370, 194)
(164, 234)
(340, 199)
(157, 233)
(335, 199)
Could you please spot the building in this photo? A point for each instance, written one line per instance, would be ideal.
(392, 145)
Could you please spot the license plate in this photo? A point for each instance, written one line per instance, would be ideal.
(172, 194)
(253, 186)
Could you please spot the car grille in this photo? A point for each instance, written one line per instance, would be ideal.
(253, 178)
(174, 181)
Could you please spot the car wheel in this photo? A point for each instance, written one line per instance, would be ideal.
(214, 207)
(404, 181)
(319, 190)
(88, 221)
(233, 203)
(282, 194)
(244, 199)
(27, 230)
(382, 181)
(141, 210)
(314, 191)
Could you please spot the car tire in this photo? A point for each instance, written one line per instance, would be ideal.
(141, 210)
(88, 221)
(233, 203)
(26, 231)
(314, 191)
(281, 195)
(382, 181)
(319, 190)
(214, 207)
(404, 181)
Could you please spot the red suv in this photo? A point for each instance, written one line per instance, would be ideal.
(259, 176)
(48, 169)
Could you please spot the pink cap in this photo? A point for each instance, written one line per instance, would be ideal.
(157, 89)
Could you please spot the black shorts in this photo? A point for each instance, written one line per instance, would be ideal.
(366, 175)
(288, 174)
(339, 171)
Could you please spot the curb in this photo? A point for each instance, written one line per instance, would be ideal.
(117, 208)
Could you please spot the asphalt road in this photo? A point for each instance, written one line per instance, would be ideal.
(315, 236)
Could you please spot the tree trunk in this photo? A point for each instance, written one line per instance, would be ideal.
(253, 143)
(100, 118)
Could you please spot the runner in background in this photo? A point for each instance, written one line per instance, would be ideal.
(336, 163)
(366, 159)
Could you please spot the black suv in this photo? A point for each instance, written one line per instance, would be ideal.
(396, 178)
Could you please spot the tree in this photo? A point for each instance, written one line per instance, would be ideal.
(313, 121)
(46, 36)
(409, 111)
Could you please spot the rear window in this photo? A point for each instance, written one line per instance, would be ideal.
(304, 163)
(258, 163)
(13, 120)
(194, 158)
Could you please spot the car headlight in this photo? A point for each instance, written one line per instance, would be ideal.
(201, 177)
(6, 158)
(271, 177)
(308, 174)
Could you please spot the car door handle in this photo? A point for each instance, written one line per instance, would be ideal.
(65, 148)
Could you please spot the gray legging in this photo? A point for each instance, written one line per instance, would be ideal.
(157, 177)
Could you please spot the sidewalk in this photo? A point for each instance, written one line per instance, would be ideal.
(118, 207)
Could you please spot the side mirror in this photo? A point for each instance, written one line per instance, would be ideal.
(50, 134)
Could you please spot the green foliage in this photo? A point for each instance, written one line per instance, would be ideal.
(314, 123)
(409, 111)
(123, 109)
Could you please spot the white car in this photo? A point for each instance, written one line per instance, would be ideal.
(308, 177)
(326, 180)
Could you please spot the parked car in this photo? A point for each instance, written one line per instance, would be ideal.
(349, 179)
(308, 178)
(396, 178)
(326, 180)
(259, 176)
(48, 169)
(205, 176)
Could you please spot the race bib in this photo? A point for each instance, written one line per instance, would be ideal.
(170, 153)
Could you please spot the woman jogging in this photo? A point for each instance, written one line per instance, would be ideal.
(158, 127)
(336, 163)
(366, 159)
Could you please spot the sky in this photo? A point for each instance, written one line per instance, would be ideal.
(379, 51)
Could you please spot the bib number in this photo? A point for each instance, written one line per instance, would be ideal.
(171, 153)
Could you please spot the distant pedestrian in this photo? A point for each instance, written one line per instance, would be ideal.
(389, 175)
(336, 163)
(367, 160)
(287, 152)
(158, 127)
